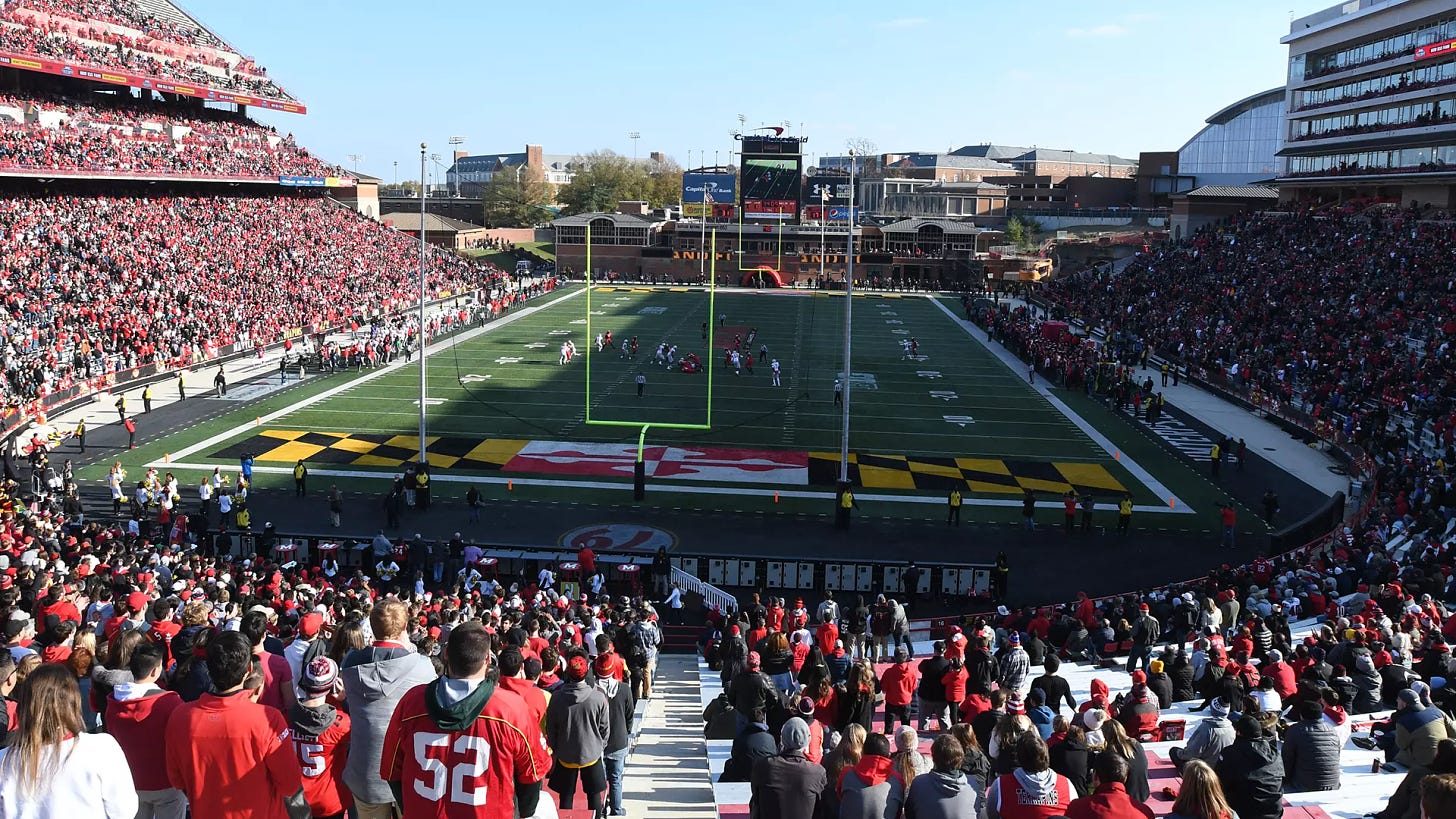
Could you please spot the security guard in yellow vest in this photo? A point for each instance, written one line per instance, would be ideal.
(81, 434)
(1124, 514)
(146, 399)
(300, 480)
(181, 385)
(953, 511)
(846, 503)
(422, 490)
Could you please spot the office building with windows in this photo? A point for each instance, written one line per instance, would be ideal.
(1371, 103)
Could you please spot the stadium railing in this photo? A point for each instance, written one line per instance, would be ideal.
(712, 595)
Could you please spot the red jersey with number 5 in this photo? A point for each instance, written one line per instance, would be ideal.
(323, 750)
(464, 774)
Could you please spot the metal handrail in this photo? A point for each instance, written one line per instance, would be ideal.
(712, 595)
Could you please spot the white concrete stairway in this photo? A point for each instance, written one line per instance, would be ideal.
(667, 773)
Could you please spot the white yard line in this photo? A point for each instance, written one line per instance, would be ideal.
(363, 379)
(1015, 364)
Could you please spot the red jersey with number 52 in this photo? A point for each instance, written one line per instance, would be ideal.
(467, 774)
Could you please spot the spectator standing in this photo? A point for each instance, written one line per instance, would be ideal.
(53, 767)
(753, 742)
(321, 738)
(619, 739)
(787, 785)
(498, 753)
(305, 645)
(1054, 687)
(375, 680)
(578, 726)
(1014, 671)
(944, 792)
(277, 675)
(229, 755)
(899, 682)
(136, 715)
(933, 703)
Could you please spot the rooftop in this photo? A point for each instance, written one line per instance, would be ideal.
(1059, 155)
(1233, 192)
(433, 224)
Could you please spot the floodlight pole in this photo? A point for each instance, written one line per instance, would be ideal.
(422, 303)
(848, 310)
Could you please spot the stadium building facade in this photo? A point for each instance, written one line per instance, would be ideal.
(1371, 103)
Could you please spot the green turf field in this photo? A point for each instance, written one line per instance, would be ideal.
(502, 408)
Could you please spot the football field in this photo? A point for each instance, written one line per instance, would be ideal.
(503, 410)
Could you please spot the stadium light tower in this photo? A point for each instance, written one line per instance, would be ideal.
(634, 136)
(423, 149)
(848, 308)
(455, 142)
(356, 159)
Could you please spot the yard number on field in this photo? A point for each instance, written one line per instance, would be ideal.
(472, 378)
(652, 311)
(944, 395)
(959, 420)
(928, 373)
(509, 359)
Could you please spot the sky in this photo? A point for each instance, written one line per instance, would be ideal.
(1120, 77)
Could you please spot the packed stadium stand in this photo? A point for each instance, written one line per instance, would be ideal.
(150, 37)
(1343, 313)
(107, 135)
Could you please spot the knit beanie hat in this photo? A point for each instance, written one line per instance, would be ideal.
(795, 735)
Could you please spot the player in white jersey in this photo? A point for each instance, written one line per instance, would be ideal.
(774, 368)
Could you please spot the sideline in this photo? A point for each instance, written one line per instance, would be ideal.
(1005, 357)
(363, 379)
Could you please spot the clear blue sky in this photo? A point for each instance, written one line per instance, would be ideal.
(1095, 75)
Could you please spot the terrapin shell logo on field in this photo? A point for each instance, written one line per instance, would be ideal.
(619, 536)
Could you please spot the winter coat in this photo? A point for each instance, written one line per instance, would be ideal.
(1209, 739)
(752, 744)
(1070, 758)
(1137, 771)
(1161, 685)
(787, 786)
(1311, 757)
(1182, 676)
(1417, 734)
(1252, 775)
(751, 689)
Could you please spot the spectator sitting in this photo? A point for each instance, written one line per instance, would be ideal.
(1110, 800)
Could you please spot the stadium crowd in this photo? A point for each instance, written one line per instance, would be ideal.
(60, 36)
(111, 135)
(93, 285)
(119, 12)
(153, 671)
(813, 694)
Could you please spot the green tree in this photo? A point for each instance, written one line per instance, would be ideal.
(600, 180)
(514, 199)
(664, 182)
(1021, 231)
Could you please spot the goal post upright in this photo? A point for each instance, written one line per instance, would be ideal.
(644, 426)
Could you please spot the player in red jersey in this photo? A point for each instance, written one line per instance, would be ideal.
(461, 748)
(321, 738)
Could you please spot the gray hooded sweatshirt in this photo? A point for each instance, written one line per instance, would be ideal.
(578, 723)
(375, 679)
(940, 795)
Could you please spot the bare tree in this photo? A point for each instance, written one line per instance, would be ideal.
(867, 151)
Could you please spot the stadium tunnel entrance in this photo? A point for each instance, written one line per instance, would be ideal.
(762, 276)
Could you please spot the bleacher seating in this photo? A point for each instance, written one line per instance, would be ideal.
(1361, 791)
(126, 281)
(118, 135)
(150, 37)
